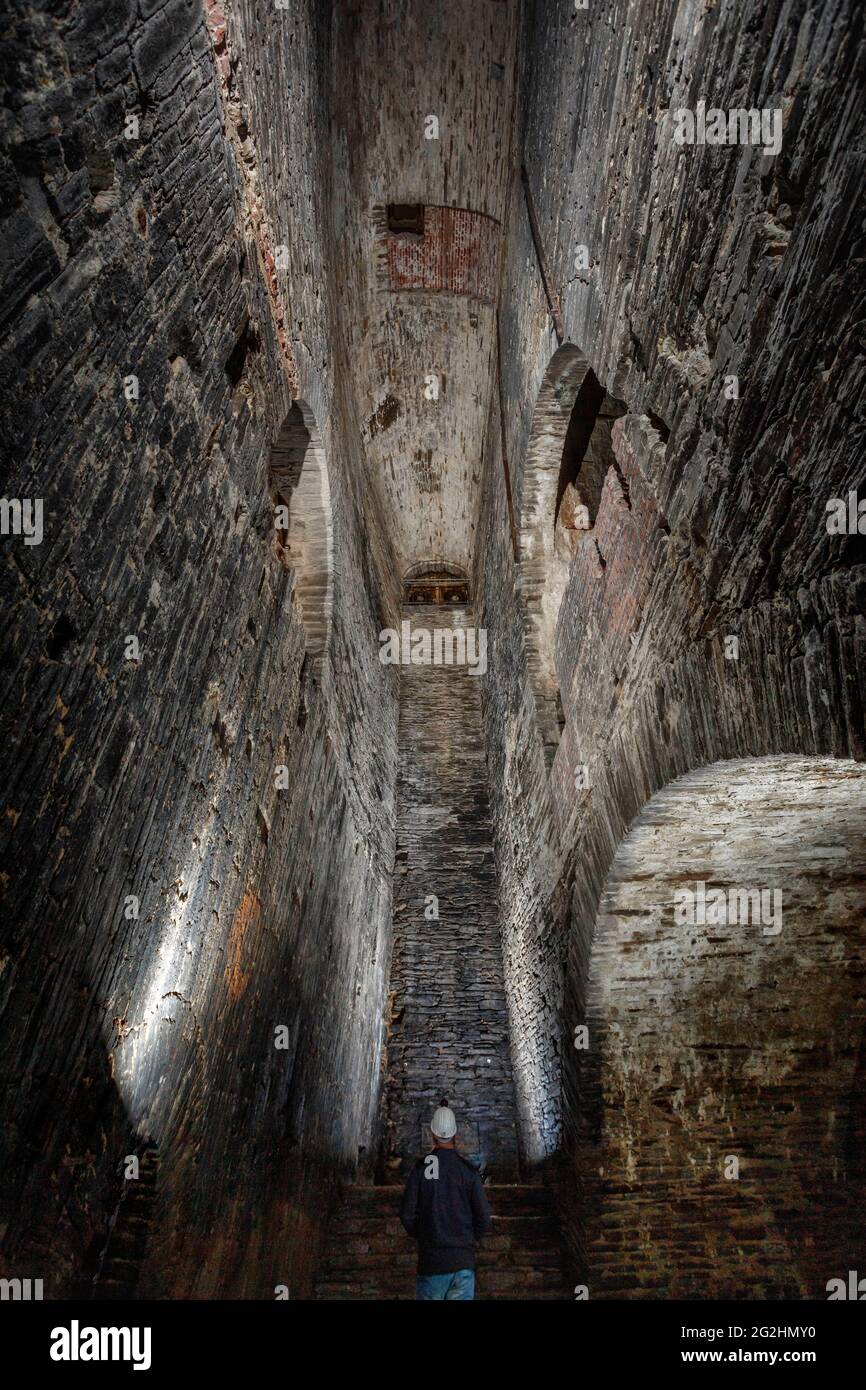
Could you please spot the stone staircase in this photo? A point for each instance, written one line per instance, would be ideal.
(117, 1277)
(369, 1256)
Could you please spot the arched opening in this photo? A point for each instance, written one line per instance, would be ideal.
(303, 531)
(717, 1109)
(437, 583)
(567, 460)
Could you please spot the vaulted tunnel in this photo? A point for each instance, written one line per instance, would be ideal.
(707, 1083)
(418, 571)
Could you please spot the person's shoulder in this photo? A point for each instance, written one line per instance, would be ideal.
(467, 1164)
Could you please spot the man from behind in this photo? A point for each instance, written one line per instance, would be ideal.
(445, 1209)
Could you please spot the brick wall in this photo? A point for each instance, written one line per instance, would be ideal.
(717, 530)
(720, 1091)
(458, 254)
(448, 1030)
(154, 778)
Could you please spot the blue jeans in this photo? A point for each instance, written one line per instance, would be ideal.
(460, 1284)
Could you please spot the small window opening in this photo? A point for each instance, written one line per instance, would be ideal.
(435, 587)
(586, 456)
(62, 635)
(659, 426)
(406, 219)
(302, 527)
(236, 361)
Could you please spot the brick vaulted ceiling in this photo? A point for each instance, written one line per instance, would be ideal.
(393, 71)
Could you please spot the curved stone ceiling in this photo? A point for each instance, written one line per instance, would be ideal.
(423, 116)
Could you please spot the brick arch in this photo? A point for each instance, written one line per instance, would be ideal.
(435, 566)
(649, 697)
(437, 249)
(567, 458)
(299, 484)
(753, 1022)
(436, 582)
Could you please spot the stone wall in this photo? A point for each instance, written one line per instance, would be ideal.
(200, 820)
(704, 263)
(448, 1029)
(721, 1102)
(166, 906)
(435, 131)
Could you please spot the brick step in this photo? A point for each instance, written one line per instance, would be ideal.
(386, 1229)
(369, 1255)
(504, 1199)
(496, 1242)
(506, 1208)
(495, 1246)
(498, 1277)
(127, 1240)
(520, 1200)
(371, 1192)
(114, 1289)
(341, 1289)
(541, 1256)
(118, 1268)
(334, 1293)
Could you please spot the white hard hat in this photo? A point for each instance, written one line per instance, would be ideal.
(443, 1124)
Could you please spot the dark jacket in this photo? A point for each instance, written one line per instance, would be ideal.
(447, 1213)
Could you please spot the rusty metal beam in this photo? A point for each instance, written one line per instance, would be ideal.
(552, 297)
(504, 447)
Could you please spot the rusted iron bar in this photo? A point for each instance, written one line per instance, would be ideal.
(552, 296)
(504, 447)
